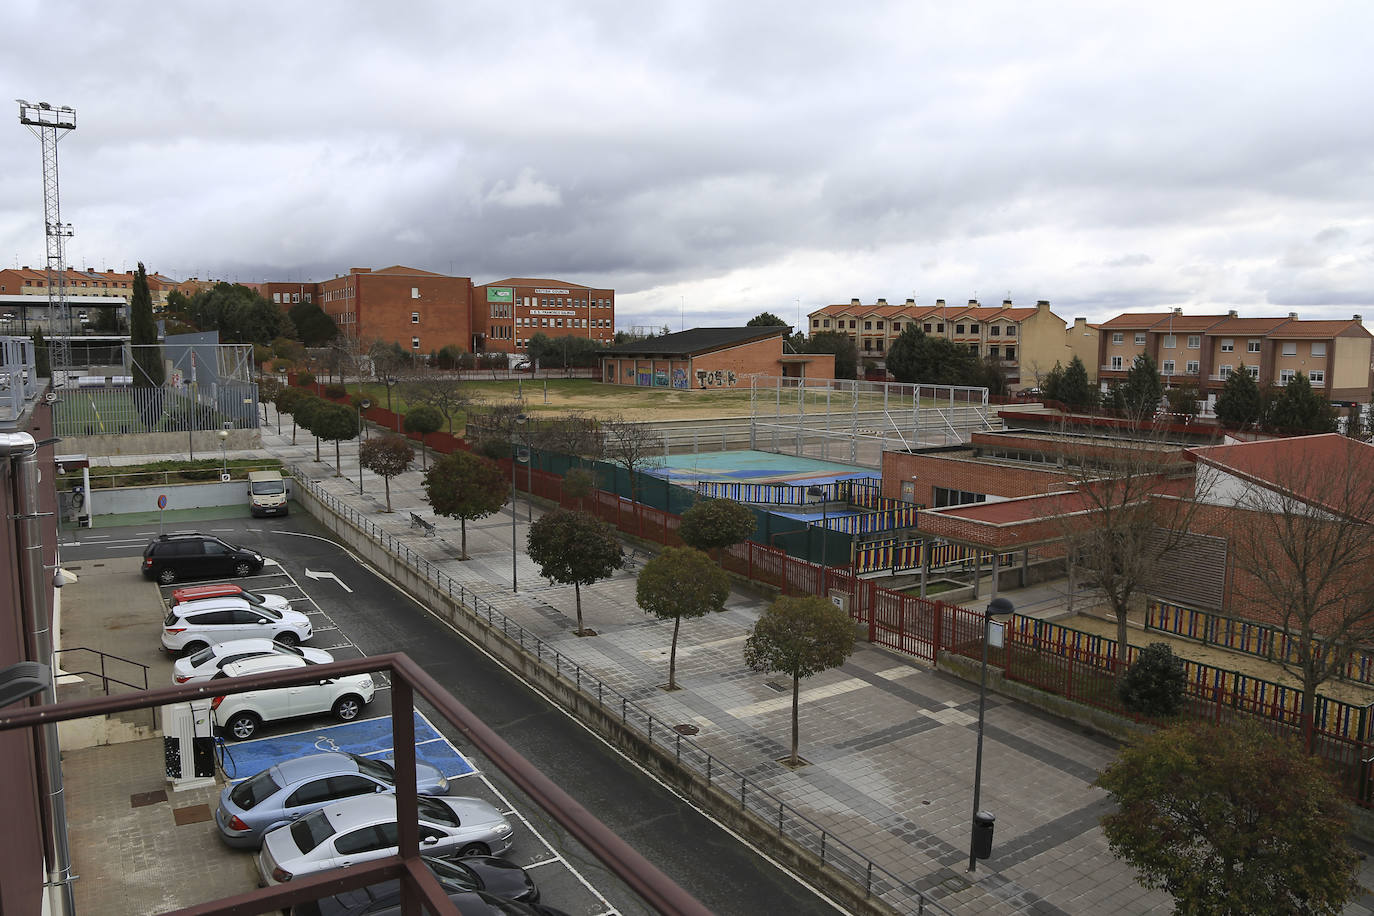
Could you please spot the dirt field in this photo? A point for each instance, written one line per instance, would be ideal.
(1347, 691)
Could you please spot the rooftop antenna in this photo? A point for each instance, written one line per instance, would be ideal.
(50, 125)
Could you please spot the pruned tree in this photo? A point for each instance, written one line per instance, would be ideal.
(387, 456)
(1301, 544)
(574, 548)
(574, 434)
(388, 361)
(578, 483)
(715, 523)
(305, 410)
(799, 636)
(335, 423)
(633, 445)
(1132, 505)
(465, 486)
(1229, 820)
(286, 401)
(681, 582)
(424, 420)
(442, 391)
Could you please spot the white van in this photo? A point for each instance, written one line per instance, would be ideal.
(267, 493)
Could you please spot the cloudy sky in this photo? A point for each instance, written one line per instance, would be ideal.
(711, 160)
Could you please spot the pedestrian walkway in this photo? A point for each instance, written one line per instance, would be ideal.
(890, 743)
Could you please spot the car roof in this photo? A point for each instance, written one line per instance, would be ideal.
(195, 592)
(254, 644)
(212, 604)
(313, 765)
(362, 809)
(262, 663)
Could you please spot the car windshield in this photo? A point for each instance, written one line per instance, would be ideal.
(454, 876)
(252, 597)
(312, 830)
(171, 618)
(201, 657)
(377, 769)
(268, 487)
(436, 812)
(251, 792)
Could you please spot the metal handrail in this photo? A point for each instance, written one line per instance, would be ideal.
(834, 854)
(105, 678)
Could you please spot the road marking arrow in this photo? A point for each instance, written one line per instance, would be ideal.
(310, 573)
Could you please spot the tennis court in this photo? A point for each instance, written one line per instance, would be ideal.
(749, 466)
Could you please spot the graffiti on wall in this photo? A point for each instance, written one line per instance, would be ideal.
(716, 378)
(679, 378)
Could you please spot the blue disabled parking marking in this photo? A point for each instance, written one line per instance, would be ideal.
(366, 738)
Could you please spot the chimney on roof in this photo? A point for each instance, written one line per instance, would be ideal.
(1178, 310)
(1006, 303)
(939, 303)
(1232, 314)
(26, 267)
(1042, 304)
(854, 301)
(360, 270)
(973, 303)
(911, 302)
(1358, 317)
(1293, 315)
(882, 302)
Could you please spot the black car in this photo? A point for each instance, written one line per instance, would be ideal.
(196, 556)
(503, 880)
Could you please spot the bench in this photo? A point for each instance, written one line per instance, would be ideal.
(427, 526)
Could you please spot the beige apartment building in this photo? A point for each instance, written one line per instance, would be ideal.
(1027, 342)
(1205, 350)
(28, 281)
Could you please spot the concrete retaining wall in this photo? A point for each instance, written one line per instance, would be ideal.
(605, 721)
(205, 443)
(179, 496)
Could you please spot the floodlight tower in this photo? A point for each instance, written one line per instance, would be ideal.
(49, 125)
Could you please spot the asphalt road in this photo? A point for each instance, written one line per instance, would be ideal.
(722, 872)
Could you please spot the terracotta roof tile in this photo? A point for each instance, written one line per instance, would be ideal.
(1316, 329)
(1239, 326)
(1135, 320)
(1302, 465)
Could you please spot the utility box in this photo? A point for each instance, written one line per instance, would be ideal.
(982, 834)
(188, 745)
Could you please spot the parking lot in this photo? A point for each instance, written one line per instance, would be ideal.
(140, 847)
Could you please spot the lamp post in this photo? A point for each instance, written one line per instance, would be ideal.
(364, 404)
(223, 455)
(819, 493)
(514, 462)
(281, 383)
(982, 823)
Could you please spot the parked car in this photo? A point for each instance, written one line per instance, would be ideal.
(498, 877)
(229, 590)
(293, 788)
(205, 664)
(196, 556)
(1028, 394)
(469, 903)
(189, 628)
(362, 829)
(241, 714)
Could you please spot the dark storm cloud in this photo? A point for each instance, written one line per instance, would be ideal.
(716, 159)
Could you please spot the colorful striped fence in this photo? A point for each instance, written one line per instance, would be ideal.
(1247, 636)
(877, 556)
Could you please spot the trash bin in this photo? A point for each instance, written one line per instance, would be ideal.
(982, 834)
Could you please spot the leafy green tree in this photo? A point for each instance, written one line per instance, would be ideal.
(1300, 409)
(312, 324)
(765, 320)
(575, 548)
(567, 350)
(286, 400)
(239, 314)
(1240, 403)
(841, 345)
(305, 411)
(465, 486)
(919, 358)
(423, 420)
(1139, 393)
(1230, 820)
(147, 355)
(1074, 388)
(387, 456)
(715, 523)
(1155, 685)
(1183, 399)
(42, 364)
(335, 423)
(681, 582)
(578, 484)
(449, 357)
(799, 636)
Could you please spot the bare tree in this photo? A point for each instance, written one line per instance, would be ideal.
(1132, 505)
(1302, 547)
(574, 434)
(346, 354)
(389, 361)
(633, 445)
(438, 389)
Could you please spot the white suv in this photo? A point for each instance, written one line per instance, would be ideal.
(191, 627)
(241, 714)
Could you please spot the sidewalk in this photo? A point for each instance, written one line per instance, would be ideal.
(890, 742)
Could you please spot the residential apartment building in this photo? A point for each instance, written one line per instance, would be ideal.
(1027, 342)
(1205, 350)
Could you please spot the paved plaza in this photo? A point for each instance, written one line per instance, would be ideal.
(890, 742)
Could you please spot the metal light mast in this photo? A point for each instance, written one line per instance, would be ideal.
(49, 125)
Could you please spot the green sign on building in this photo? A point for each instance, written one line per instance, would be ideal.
(500, 294)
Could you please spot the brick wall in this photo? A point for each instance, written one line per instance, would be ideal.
(385, 304)
(965, 473)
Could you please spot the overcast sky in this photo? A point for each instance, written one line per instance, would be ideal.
(711, 160)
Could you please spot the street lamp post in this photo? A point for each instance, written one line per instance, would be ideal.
(281, 383)
(223, 454)
(364, 404)
(982, 822)
(514, 462)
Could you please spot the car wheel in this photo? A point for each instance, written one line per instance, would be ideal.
(288, 639)
(242, 569)
(191, 648)
(243, 725)
(346, 708)
(167, 575)
(475, 849)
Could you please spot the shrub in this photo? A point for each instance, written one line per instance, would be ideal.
(336, 392)
(305, 379)
(1155, 684)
